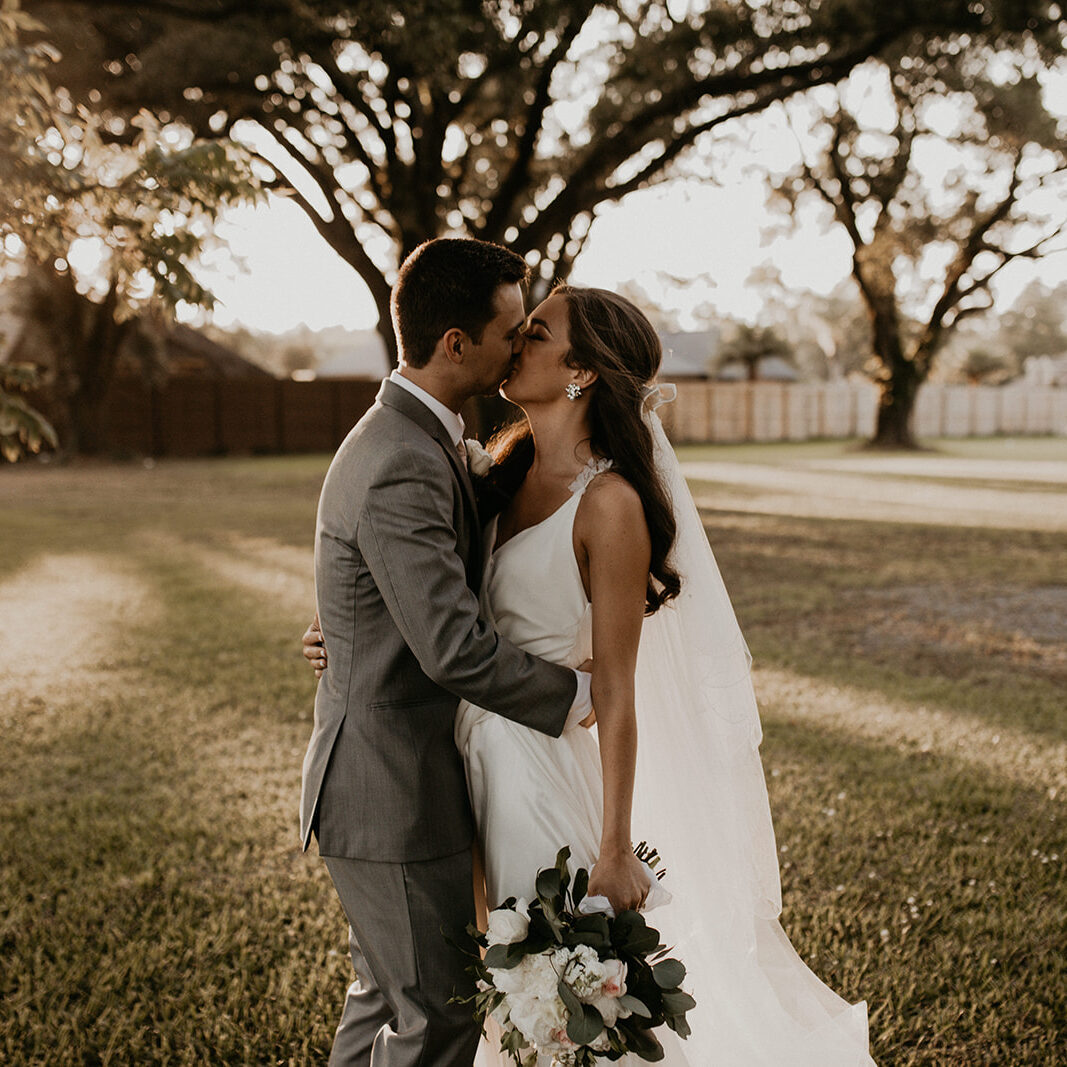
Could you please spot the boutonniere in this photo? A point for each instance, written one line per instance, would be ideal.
(478, 460)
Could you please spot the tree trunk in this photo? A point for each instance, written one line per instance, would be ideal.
(901, 376)
(87, 436)
(893, 428)
(385, 332)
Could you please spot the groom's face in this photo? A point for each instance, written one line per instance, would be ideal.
(491, 358)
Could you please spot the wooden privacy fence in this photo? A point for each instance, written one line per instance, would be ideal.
(801, 411)
(204, 417)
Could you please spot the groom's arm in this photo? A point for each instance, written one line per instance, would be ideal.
(406, 537)
(313, 646)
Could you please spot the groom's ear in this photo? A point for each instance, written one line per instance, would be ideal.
(453, 344)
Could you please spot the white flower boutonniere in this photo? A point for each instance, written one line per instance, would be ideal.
(478, 460)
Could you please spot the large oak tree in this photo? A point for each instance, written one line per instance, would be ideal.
(512, 121)
(960, 171)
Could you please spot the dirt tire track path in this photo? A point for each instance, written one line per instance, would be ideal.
(65, 624)
(805, 491)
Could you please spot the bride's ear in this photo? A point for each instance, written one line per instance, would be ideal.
(585, 377)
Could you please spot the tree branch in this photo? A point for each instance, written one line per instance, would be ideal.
(518, 175)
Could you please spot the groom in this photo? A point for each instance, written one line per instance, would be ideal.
(398, 560)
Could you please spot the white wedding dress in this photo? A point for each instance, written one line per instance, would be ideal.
(758, 1005)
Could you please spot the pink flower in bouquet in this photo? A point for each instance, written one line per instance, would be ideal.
(614, 984)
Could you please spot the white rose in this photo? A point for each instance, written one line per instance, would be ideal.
(478, 460)
(541, 977)
(602, 1043)
(532, 976)
(537, 1018)
(507, 926)
(610, 1010)
(582, 971)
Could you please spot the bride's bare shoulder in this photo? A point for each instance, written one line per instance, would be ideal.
(611, 504)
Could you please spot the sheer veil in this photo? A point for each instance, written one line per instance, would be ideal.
(701, 800)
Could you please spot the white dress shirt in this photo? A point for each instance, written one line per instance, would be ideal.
(453, 424)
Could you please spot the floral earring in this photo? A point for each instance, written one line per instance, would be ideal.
(573, 391)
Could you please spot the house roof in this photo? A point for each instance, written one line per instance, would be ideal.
(190, 352)
(771, 369)
(688, 354)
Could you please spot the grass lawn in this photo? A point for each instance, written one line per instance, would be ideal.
(156, 908)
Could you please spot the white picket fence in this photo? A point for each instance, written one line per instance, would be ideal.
(801, 411)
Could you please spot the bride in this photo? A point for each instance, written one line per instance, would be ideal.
(601, 553)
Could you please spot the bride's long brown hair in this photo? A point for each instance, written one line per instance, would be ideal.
(612, 337)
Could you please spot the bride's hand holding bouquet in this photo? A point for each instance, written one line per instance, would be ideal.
(567, 979)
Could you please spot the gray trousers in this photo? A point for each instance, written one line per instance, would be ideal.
(402, 917)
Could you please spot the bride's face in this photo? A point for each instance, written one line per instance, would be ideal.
(540, 375)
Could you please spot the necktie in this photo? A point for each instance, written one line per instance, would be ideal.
(461, 450)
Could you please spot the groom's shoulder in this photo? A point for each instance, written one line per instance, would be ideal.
(385, 440)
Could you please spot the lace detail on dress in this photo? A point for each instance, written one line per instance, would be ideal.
(589, 472)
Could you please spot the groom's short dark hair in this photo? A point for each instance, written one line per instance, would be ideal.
(449, 283)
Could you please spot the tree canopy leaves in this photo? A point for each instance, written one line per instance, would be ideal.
(393, 123)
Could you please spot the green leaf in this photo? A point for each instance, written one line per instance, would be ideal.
(634, 1006)
(569, 998)
(630, 933)
(504, 957)
(677, 1003)
(562, 857)
(580, 889)
(549, 887)
(669, 974)
(644, 1043)
(592, 930)
(585, 1026)
(679, 1025)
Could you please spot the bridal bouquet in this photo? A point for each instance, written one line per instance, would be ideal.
(576, 985)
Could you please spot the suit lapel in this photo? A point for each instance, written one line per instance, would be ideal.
(392, 395)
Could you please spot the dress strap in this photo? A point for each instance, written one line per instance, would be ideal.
(594, 467)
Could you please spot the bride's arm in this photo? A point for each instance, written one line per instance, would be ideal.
(615, 552)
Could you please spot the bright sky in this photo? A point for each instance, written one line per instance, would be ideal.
(686, 228)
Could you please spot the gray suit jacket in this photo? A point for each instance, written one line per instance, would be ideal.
(398, 559)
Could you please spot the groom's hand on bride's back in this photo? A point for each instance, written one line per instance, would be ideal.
(314, 647)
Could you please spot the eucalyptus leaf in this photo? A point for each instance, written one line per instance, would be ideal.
(645, 1044)
(634, 1006)
(677, 1002)
(580, 887)
(679, 1025)
(569, 998)
(499, 957)
(585, 1026)
(549, 886)
(669, 974)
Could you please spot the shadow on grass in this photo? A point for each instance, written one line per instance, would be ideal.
(157, 905)
(968, 620)
(147, 917)
(934, 892)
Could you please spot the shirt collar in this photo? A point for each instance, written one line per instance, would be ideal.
(452, 422)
